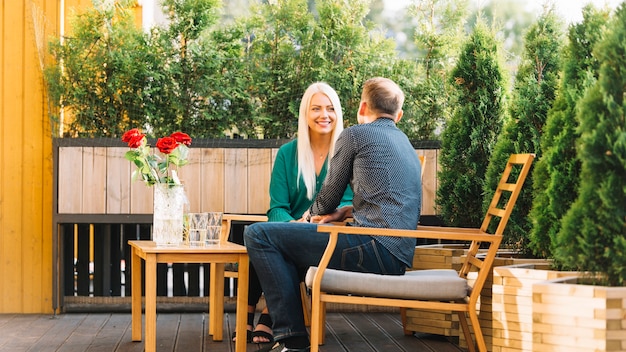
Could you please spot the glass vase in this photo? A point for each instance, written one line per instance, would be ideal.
(169, 207)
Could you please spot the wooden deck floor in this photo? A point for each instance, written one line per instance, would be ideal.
(187, 332)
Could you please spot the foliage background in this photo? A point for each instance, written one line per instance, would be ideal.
(532, 96)
(245, 76)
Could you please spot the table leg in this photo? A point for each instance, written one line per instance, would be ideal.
(242, 303)
(216, 301)
(135, 263)
(150, 342)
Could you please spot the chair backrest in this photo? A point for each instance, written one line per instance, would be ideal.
(227, 222)
(507, 191)
(501, 206)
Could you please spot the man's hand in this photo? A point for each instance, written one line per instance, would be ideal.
(337, 216)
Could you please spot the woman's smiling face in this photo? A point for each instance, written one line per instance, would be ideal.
(321, 116)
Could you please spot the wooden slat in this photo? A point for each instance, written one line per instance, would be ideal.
(118, 181)
(236, 180)
(259, 174)
(69, 195)
(193, 179)
(213, 189)
(140, 198)
(94, 180)
(508, 186)
(34, 134)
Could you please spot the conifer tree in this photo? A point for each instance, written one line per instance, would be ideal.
(533, 94)
(593, 233)
(469, 136)
(439, 35)
(556, 174)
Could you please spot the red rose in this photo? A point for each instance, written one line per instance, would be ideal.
(182, 138)
(166, 145)
(133, 138)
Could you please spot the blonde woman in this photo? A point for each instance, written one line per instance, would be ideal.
(299, 171)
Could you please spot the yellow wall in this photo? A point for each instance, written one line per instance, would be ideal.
(25, 159)
(26, 154)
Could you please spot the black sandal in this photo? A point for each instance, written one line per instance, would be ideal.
(249, 335)
(266, 320)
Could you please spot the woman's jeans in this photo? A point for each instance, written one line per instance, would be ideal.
(282, 252)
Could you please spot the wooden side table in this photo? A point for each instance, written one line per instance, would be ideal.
(218, 255)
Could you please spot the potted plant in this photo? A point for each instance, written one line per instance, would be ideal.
(533, 94)
(556, 176)
(591, 308)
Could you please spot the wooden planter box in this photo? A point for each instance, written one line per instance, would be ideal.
(512, 304)
(485, 305)
(569, 316)
(437, 256)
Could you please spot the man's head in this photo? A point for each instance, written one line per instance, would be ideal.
(381, 97)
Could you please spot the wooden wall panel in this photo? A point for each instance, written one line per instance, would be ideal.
(140, 198)
(25, 158)
(192, 178)
(231, 180)
(236, 181)
(117, 182)
(70, 192)
(259, 173)
(94, 180)
(213, 190)
(13, 155)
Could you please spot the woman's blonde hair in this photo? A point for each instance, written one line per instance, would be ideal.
(306, 159)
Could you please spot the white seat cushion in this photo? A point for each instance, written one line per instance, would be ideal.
(430, 285)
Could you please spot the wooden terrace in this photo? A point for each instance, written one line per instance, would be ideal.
(185, 332)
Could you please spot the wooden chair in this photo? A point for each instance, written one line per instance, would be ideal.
(437, 289)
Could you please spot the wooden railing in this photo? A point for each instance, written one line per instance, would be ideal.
(99, 208)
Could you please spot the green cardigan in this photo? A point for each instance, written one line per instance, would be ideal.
(288, 199)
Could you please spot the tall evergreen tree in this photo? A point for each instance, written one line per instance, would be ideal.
(533, 95)
(593, 233)
(557, 173)
(469, 136)
(438, 37)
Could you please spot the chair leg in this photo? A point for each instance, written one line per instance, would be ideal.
(478, 333)
(322, 323)
(315, 326)
(404, 322)
(467, 333)
(306, 304)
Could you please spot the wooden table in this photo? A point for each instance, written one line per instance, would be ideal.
(217, 255)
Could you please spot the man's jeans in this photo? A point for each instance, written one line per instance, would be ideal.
(282, 252)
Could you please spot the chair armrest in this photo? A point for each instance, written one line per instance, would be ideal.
(449, 229)
(244, 217)
(428, 232)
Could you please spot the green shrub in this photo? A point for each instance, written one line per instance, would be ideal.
(557, 173)
(593, 233)
(533, 94)
(471, 132)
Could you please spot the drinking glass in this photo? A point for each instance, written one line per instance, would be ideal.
(214, 228)
(198, 229)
